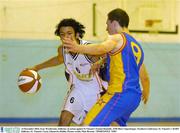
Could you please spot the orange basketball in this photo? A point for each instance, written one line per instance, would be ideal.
(29, 81)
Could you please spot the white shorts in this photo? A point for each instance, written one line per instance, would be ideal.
(79, 103)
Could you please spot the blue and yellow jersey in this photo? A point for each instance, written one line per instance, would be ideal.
(124, 64)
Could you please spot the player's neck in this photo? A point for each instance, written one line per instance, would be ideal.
(126, 30)
(120, 30)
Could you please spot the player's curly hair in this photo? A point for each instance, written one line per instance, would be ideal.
(78, 27)
(119, 15)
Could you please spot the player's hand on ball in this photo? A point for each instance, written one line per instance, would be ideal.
(32, 68)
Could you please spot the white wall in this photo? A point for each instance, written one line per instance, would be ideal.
(36, 19)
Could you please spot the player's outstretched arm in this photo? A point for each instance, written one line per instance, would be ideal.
(54, 61)
(93, 49)
(145, 81)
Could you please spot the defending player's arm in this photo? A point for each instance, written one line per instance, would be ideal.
(94, 49)
(54, 61)
(145, 81)
(97, 65)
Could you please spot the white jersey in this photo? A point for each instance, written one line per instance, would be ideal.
(85, 90)
(78, 67)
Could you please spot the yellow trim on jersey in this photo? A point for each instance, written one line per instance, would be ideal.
(117, 75)
(121, 48)
(83, 77)
(96, 109)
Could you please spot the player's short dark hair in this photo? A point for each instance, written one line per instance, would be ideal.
(119, 15)
(77, 26)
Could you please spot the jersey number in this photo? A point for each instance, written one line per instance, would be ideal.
(136, 51)
(72, 100)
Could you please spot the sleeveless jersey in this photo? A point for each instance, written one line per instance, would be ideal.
(78, 67)
(124, 65)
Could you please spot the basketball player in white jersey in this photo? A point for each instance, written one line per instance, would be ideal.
(85, 87)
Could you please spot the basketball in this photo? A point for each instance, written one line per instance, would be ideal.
(29, 81)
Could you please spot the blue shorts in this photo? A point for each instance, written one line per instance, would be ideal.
(113, 107)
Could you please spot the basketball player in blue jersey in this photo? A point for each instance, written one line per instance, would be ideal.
(85, 88)
(125, 60)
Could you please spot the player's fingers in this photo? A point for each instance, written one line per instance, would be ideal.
(145, 101)
(71, 38)
(66, 45)
(26, 69)
(31, 68)
(70, 49)
(142, 97)
(91, 72)
(65, 41)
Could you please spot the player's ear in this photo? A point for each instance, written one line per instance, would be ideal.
(77, 35)
(115, 23)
